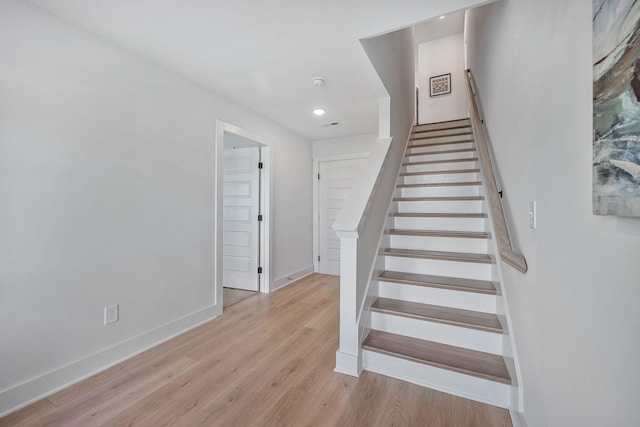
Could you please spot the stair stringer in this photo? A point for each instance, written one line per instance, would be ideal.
(510, 353)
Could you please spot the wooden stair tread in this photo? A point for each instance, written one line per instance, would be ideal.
(437, 162)
(440, 255)
(451, 316)
(441, 184)
(422, 137)
(451, 127)
(433, 144)
(438, 215)
(429, 153)
(442, 121)
(445, 172)
(439, 199)
(444, 282)
(440, 233)
(483, 365)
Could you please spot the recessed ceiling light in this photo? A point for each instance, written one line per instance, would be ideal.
(319, 111)
(317, 81)
(442, 17)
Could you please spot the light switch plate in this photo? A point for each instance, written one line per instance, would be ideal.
(533, 215)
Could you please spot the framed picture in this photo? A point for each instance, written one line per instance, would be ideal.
(616, 103)
(440, 85)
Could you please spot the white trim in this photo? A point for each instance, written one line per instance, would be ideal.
(24, 394)
(316, 195)
(265, 193)
(517, 418)
(348, 364)
(290, 278)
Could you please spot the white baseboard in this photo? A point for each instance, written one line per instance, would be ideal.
(348, 364)
(292, 277)
(38, 388)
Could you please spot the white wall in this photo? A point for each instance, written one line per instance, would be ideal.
(575, 313)
(106, 196)
(437, 57)
(341, 146)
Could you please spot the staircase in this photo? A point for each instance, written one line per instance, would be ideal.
(434, 317)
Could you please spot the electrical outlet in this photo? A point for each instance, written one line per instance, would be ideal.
(532, 215)
(111, 314)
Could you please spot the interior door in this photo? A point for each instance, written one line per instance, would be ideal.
(241, 203)
(335, 183)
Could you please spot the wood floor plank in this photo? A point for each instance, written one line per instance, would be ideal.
(268, 361)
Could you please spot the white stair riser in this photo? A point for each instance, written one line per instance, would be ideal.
(467, 386)
(458, 336)
(443, 156)
(435, 132)
(440, 147)
(442, 166)
(448, 244)
(467, 270)
(454, 206)
(435, 126)
(485, 303)
(441, 224)
(441, 178)
(452, 191)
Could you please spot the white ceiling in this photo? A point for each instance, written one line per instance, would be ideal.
(263, 54)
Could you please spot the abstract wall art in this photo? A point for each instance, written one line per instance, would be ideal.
(440, 85)
(616, 107)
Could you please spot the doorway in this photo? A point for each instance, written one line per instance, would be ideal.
(242, 212)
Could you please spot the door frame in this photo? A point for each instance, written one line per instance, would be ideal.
(316, 197)
(266, 189)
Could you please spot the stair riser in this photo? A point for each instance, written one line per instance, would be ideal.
(443, 132)
(454, 191)
(419, 139)
(444, 156)
(432, 148)
(441, 178)
(441, 224)
(441, 166)
(467, 270)
(485, 303)
(467, 386)
(473, 339)
(456, 206)
(436, 126)
(448, 244)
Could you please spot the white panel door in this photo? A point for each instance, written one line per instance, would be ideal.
(240, 226)
(336, 179)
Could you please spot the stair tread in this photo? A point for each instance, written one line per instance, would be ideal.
(422, 137)
(438, 199)
(440, 233)
(441, 184)
(440, 255)
(433, 144)
(430, 153)
(451, 127)
(452, 316)
(445, 282)
(462, 360)
(438, 215)
(436, 162)
(444, 172)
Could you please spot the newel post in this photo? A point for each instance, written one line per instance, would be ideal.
(349, 354)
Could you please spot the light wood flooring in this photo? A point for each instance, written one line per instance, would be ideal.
(268, 361)
(232, 296)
